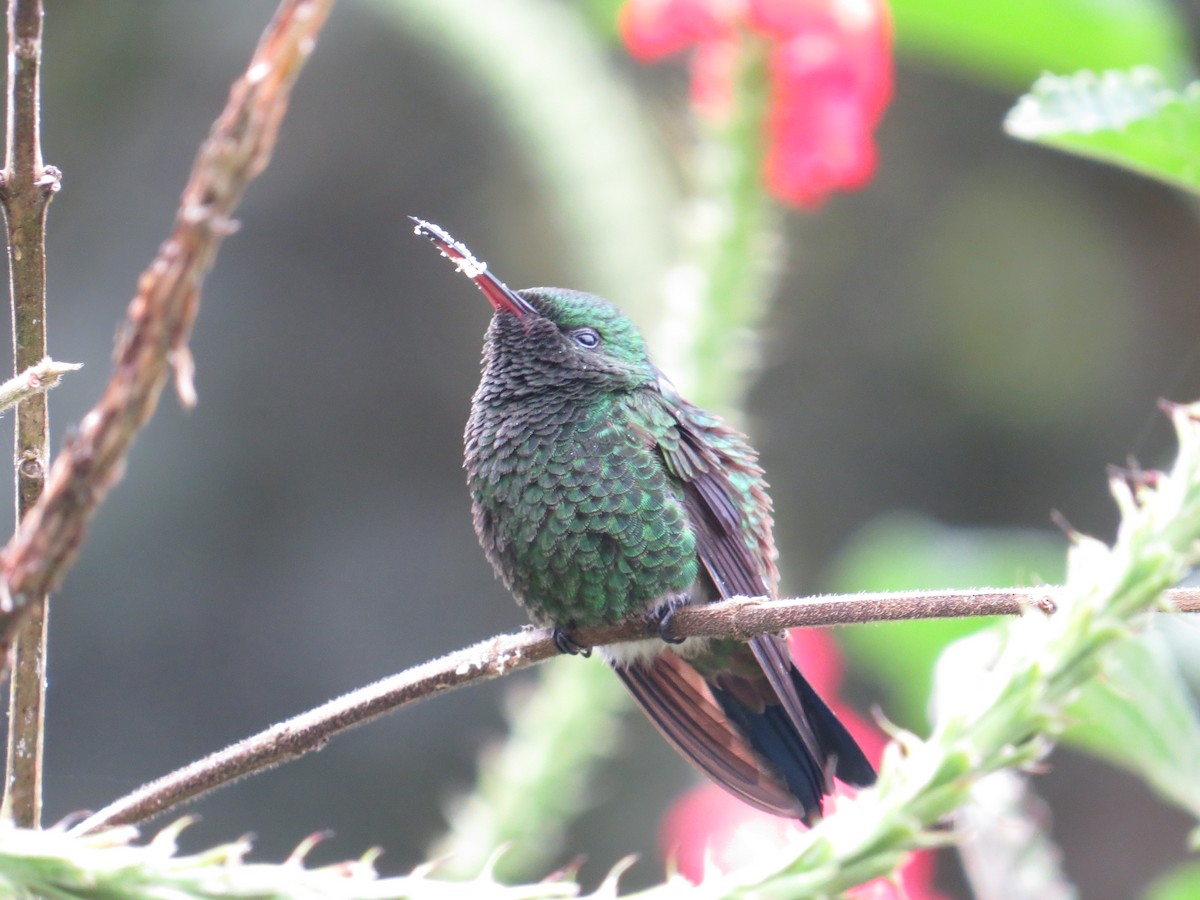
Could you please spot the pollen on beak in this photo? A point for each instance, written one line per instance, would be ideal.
(500, 295)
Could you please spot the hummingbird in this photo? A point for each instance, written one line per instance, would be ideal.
(598, 494)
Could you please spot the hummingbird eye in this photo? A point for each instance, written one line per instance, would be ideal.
(588, 338)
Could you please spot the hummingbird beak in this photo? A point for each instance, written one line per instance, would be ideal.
(499, 294)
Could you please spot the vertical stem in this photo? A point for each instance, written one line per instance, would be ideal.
(25, 193)
(731, 236)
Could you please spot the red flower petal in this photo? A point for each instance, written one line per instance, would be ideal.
(830, 78)
(830, 82)
(713, 64)
(654, 28)
(817, 655)
(783, 18)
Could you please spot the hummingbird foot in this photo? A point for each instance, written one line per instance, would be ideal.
(568, 645)
(664, 615)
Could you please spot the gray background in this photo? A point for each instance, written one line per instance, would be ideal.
(972, 338)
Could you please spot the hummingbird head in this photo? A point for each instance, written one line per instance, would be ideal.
(550, 340)
(570, 338)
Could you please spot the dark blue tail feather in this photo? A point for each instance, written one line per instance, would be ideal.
(852, 766)
(772, 734)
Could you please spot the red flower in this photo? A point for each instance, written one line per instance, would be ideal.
(708, 828)
(830, 73)
(656, 28)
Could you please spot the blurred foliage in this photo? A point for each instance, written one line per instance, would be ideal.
(607, 173)
(1140, 715)
(1129, 119)
(1009, 357)
(1010, 42)
(579, 128)
(1006, 846)
(904, 552)
(1181, 883)
(536, 781)
(601, 16)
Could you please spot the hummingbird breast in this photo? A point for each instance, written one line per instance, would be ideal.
(576, 511)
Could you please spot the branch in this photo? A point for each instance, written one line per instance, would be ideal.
(740, 617)
(26, 190)
(33, 381)
(162, 312)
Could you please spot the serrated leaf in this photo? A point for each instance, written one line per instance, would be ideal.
(1139, 715)
(1129, 119)
(1011, 42)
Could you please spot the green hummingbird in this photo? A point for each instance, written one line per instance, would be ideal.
(598, 494)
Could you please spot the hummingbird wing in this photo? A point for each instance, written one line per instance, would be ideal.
(730, 512)
(693, 712)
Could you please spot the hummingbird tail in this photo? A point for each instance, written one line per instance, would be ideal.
(799, 734)
(851, 764)
(769, 730)
(682, 705)
(768, 739)
(779, 754)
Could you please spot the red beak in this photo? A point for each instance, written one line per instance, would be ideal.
(499, 294)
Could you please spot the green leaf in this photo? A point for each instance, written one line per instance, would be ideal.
(1181, 883)
(1011, 42)
(1129, 119)
(1139, 715)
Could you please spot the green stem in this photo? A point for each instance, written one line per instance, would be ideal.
(730, 229)
(536, 781)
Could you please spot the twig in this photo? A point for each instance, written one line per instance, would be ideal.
(27, 188)
(26, 711)
(161, 314)
(501, 655)
(33, 381)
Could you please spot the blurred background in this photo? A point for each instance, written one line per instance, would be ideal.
(951, 354)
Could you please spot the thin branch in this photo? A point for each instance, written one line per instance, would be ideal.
(28, 186)
(504, 654)
(162, 312)
(33, 381)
